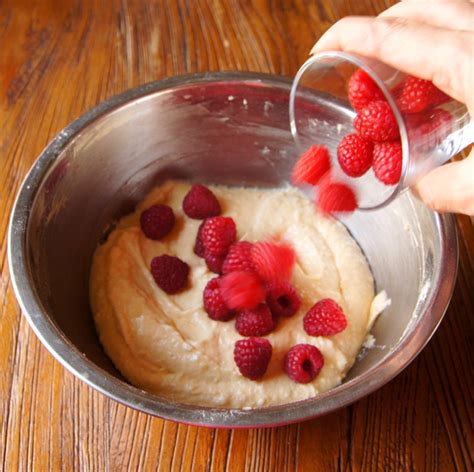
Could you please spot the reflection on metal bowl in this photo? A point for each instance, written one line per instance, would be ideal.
(229, 128)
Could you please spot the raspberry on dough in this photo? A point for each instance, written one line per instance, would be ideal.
(252, 356)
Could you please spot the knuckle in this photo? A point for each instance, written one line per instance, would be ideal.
(454, 77)
(383, 32)
(343, 25)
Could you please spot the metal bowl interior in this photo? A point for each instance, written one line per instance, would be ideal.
(229, 128)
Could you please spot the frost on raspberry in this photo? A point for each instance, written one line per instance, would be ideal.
(273, 261)
(311, 166)
(241, 289)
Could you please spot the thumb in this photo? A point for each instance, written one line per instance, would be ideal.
(449, 188)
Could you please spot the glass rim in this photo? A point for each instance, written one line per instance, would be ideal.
(358, 62)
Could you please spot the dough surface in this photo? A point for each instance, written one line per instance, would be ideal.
(166, 344)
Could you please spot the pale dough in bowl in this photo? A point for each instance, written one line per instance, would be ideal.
(166, 344)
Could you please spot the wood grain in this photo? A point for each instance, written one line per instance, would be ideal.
(58, 59)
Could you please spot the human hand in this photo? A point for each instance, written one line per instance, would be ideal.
(433, 40)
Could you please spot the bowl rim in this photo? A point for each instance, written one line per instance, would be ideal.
(73, 360)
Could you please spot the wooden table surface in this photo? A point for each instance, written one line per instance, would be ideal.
(60, 58)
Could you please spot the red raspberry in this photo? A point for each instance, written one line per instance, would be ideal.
(282, 299)
(157, 221)
(170, 273)
(241, 289)
(303, 363)
(376, 122)
(214, 263)
(437, 121)
(199, 245)
(397, 89)
(214, 304)
(419, 94)
(200, 203)
(387, 162)
(217, 234)
(273, 262)
(325, 318)
(252, 357)
(362, 90)
(428, 129)
(238, 257)
(440, 97)
(413, 121)
(312, 165)
(354, 155)
(336, 197)
(255, 322)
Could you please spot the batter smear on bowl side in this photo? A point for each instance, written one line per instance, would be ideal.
(149, 309)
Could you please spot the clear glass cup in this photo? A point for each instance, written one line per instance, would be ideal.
(321, 113)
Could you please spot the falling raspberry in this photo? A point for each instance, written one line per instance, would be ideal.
(274, 262)
(311, 166)
(257, 321)
(252, 357)
(214, 304)
(282, 299)
(336, 197)
(303, 363)
(170, 273)
(200, 203)
(325, 318)
(157, 221)
(241, 289)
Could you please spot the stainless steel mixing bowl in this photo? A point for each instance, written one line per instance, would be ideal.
(230, 128)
